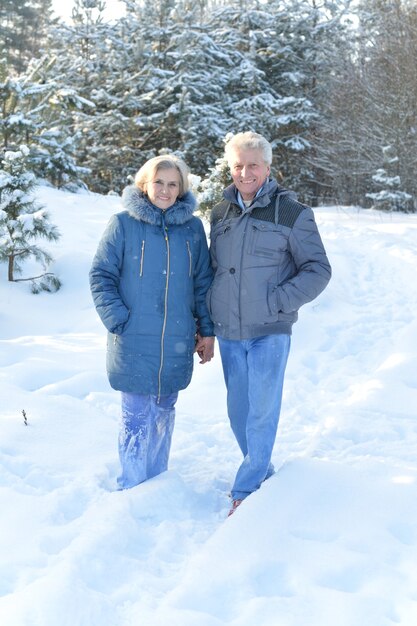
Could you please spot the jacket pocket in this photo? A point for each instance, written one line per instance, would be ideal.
(222, 243)
(118, 330)
(272, 300)
(274, 309)
(217, 300)
(265, 240)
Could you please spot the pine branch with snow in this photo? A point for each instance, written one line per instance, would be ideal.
(210, 189)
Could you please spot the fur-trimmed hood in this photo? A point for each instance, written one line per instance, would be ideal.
(141, 208)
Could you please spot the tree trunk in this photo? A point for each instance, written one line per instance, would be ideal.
(11, 267)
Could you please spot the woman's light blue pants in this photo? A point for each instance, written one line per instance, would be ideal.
(254, 374)
(145, 436)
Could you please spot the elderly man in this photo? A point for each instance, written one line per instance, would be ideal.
(269, 260)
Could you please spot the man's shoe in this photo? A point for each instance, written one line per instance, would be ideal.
(235, 504)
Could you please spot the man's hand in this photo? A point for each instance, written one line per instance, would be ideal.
(205, 348)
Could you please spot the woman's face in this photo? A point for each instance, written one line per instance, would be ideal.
(164, 189)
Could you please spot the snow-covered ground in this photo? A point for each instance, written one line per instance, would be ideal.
(330, 540)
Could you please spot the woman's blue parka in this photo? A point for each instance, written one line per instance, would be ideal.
(149, 280)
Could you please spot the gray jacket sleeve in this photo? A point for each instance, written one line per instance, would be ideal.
(313, 269)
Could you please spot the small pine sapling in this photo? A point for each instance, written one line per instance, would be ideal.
(23, 221)
(390, 196)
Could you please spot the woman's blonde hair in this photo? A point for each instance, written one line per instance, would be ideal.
(163, 162)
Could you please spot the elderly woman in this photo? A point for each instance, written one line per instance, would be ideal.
(149, 280)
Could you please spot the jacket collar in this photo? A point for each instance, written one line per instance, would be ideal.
(141, 208)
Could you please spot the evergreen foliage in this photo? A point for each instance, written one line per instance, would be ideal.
(328, 82)
(23, 221)
(34, 108)
(390, 196)
(23, 31)
(371, 102)
(210, 189)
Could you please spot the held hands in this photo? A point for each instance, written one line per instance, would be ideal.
(204, 347)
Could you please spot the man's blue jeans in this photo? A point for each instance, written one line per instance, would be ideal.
(254, 375)
(145, 436)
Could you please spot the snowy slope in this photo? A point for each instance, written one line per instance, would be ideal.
(330, 540)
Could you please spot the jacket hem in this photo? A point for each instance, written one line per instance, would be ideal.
(258, 330)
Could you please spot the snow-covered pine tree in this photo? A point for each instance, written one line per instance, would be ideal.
(243, 30)
(35, 109)
(23, 221)
(162, 88)
(23, 27)
(90, 53)
(201, 72)
(304, 39)
(390, 196)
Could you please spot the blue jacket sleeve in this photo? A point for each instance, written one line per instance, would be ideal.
(203, 276)
(105, 278)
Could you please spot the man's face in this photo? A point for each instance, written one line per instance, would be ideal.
(249, 171)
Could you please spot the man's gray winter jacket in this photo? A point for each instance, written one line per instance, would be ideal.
(268, 260)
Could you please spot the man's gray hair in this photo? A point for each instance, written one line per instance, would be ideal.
(248, 140)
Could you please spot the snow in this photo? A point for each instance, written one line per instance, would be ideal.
(330, 540)
(17, 154)
(113, 9)
(27, 220)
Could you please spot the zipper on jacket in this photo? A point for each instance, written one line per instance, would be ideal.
(190, 258)
(243, 248)
(161, 364)
(142, 254)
